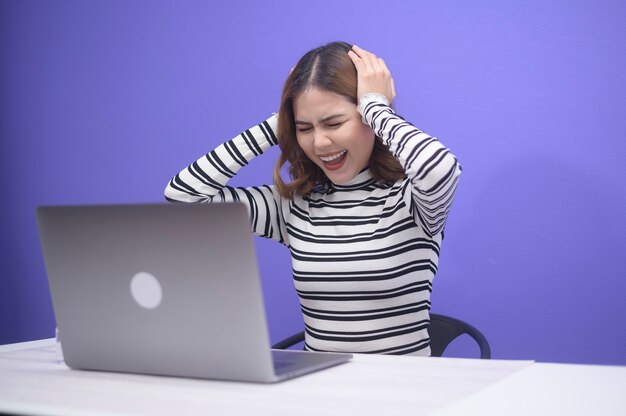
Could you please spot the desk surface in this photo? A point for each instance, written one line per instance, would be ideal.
(36, 381)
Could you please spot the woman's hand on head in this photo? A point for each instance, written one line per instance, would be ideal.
(372, 74)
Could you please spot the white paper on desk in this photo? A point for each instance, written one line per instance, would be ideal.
(550, 389)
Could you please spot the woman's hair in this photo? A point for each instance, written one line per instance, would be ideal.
(327, 68)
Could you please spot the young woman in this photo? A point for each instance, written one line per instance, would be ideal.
(364, 211)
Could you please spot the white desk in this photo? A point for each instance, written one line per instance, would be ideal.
(35, 381)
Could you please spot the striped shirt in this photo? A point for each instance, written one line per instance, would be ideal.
(364, 253)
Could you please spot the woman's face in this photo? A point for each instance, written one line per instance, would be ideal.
(330, 132)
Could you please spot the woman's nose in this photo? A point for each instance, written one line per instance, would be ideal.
(321, 139)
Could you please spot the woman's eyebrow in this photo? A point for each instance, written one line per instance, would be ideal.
(323, 120)
(334, 116)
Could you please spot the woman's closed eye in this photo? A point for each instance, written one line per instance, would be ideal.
(330, 126)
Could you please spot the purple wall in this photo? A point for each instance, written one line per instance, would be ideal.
(103, 102)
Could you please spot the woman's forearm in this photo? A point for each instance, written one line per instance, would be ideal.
(204, 178)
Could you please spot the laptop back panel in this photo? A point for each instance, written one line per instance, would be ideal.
(209, 321)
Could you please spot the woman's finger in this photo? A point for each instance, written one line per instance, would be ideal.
(356, 60)
(363, 53)
(365, 56)
(382, 64)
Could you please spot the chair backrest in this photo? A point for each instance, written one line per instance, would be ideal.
(443, 330)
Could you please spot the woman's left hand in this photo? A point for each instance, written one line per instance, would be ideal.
(373, 75)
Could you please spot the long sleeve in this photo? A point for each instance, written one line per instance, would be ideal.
(205, 180)
(432, 169)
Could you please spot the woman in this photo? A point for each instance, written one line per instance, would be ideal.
(364, 212)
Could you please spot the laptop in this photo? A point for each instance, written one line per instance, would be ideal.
(163, 289)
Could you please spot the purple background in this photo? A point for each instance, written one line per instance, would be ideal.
(102, 102)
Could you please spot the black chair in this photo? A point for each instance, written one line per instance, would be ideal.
(443, 330)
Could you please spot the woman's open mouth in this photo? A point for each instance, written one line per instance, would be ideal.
(335, 161)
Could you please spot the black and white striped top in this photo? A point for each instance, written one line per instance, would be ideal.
(364, 253)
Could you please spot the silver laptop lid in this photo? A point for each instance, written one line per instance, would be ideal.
(157, 289)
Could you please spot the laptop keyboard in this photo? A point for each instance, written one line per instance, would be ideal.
(281, 364)
(282, 359)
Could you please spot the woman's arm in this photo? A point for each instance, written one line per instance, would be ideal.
(431, 167)
(205, 180)
(206, 177)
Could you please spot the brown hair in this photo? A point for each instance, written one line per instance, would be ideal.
(328, 68)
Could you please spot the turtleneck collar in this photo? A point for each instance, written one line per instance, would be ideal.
(361, 179)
